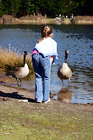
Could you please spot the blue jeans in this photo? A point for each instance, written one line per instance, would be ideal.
(41, 67)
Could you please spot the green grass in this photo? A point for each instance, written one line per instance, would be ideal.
(23, 122)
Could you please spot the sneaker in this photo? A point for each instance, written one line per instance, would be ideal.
(38, 101)
(47, 101)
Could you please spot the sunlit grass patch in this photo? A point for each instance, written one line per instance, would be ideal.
(31, 122)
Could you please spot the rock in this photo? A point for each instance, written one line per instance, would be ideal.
(24, 100)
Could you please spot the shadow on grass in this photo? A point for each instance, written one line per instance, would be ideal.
(15, 95)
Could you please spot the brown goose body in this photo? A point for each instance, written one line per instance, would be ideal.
(64, 72)
(21, 72)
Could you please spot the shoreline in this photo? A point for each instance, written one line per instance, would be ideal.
(28, 94)
(4, 83)
(39, 19)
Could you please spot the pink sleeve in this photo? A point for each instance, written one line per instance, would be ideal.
(34, 51)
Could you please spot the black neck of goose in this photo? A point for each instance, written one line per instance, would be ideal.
(24, 59)
(66, 54)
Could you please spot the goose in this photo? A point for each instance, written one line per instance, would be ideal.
(21, 72)
(64, 72)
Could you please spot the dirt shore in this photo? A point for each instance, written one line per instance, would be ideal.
(8, 93)
(39, 19)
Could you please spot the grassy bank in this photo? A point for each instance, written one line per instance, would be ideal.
(9, 60)
(32, 121)
(24, 122)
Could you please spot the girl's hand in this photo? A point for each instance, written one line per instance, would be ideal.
(51, 60)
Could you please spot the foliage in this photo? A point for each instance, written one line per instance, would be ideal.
(51, 8)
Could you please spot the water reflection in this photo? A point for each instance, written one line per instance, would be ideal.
(65, 95)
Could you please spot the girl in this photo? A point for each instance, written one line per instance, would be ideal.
(43, 55)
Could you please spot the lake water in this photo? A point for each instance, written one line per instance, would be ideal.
(78, 39)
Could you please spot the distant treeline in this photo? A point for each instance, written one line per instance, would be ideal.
(52, 8)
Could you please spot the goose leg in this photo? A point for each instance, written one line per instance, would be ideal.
(62, 83)
(68, 82)
(17, 82)
(20, 83)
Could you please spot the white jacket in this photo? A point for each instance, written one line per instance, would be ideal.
(47, 47)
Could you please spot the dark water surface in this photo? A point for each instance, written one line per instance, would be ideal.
(78, 39)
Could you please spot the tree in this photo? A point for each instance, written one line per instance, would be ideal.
(1, 8)
(15, 5)
(30, 7)
(19, 8)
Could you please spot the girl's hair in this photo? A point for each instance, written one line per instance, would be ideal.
(46, 31)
